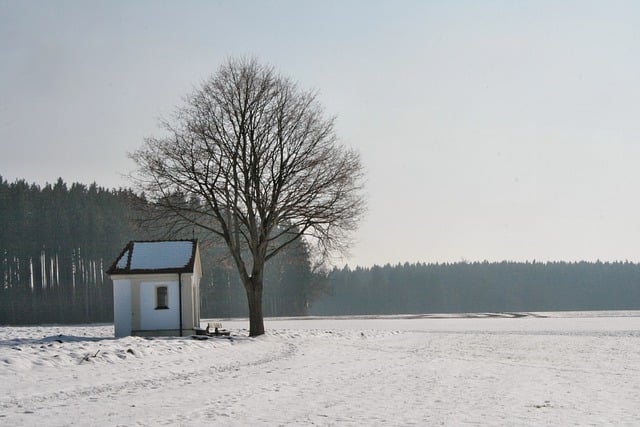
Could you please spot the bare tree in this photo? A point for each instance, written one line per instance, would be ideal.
(253, 159)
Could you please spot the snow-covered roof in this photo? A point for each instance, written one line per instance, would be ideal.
(162, 256)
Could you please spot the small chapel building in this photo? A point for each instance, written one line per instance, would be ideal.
(156, 288)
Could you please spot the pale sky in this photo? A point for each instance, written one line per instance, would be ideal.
(489, 130)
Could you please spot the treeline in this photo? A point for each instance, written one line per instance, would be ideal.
(291, 285)
(56, 241)
(481, 287)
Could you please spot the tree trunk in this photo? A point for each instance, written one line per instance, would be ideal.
(254, 297)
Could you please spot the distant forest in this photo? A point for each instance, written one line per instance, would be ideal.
(465, 287)
(56, 241)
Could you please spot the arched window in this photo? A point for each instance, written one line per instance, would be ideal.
(162, 297)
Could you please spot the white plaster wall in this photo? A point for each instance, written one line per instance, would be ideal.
(122, 307)
(152, 319)
(195, 300)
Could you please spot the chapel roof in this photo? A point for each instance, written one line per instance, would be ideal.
(157, 256)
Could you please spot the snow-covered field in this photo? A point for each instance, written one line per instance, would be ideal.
(510, 369)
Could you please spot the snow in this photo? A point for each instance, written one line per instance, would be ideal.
(158, 255)
(124, 259)
(510, 369)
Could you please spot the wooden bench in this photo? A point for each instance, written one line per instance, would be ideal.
(217, 329)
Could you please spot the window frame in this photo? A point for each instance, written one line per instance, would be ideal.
(160, 297)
